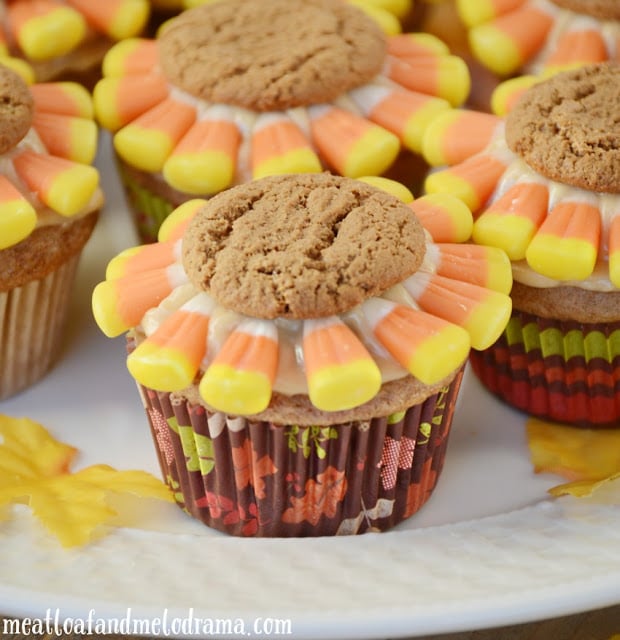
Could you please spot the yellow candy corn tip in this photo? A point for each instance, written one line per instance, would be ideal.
(392, 187)
(499, 276)
(494, 49)
(113, 63)
(72, 190)
(104, 310)
(418, 122)
(433, 44)
(84, 136)
(399, 8)
(561, 258)
(614, 268)
(130, 20)
(474, 13)
(509, 232)
(160, 368)
(487, 321)
(54, 34)
(457, 210)
(505, 94)
(440, 355)
(234, 391)
(295, 161)
(143, 148)
(20, 67)
(454, 80)
(341, 387)
(389, 23)
(202, 173)
(178, 216)
(116, 266)
(104, 101)
(448, 183)
(17, 221)
(372, 154)
(435, 134)
(81, 98)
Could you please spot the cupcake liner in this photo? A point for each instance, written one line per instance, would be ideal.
(250, 478)
(32, 319)
(563, 371)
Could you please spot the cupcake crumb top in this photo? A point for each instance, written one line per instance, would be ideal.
(273, 54)
(16, 109)
(568, 128)
(299, 247)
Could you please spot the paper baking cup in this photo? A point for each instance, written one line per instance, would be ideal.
(567, 371)
(32, 319)
(261, 479)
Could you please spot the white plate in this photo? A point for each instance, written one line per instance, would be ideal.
(488, 549)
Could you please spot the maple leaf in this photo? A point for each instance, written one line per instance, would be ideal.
(35, 470)
(589, 458)
(321, 497)
(250, 470)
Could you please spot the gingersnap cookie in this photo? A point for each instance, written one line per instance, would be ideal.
(15, 109)
(603, 9)
(365, 357)
(303, 246)
(266, 57)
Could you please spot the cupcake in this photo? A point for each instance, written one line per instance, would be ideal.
(67, 39)
(299, 343)
(234, 90)
(49, 202)
(533, 39)
(546, 189)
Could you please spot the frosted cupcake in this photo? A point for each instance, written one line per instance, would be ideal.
(49, 200)
(299, 344)
(235, 90)
(546, 190)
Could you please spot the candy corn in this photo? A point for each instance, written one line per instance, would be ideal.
(405, 113)
(487, 267)
(483, 313)
(119, 100)
(19, 66)
(566, 244)
(169, 359)
(507, 42)
(173, 227)
(340, 373)
(388, 22)
(63, 185)
(576, 48)
(147, 142)
(414, 45)
(506, 94)
(473, 13)
(511, 221)
(120, 304)
(473, 180)
(45, 29)
(398, 8)
(64, 98)
(397, 189)
(17, 216)
(145, 257)
(204, 160)
(444, 216)
(279, 146)
(68, 137)
(428, 347)
(239, 380)
(614, 251)
(456, 135)
(133, 56)
(350, 144)
(118, 19)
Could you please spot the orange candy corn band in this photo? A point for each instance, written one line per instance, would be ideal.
(237, 361)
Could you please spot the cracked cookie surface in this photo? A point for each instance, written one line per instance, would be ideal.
(273, 54)
(301, 246)
(16, 109)
(568, 128)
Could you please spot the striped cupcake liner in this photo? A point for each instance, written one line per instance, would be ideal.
(562, 371)
(250, 478)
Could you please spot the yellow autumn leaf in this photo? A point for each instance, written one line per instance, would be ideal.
(583, 488)
(72, 506)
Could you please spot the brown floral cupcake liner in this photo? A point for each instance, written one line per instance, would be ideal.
(251, 478)
(564, 371)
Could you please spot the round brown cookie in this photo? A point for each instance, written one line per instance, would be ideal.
(301, 246)
(16, 109)
(603, 9)
(273, 54)
(567, 303)
(568, 128)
